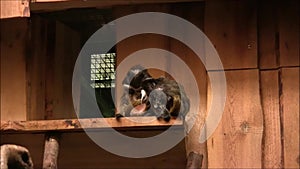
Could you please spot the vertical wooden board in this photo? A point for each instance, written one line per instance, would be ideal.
(231, 26)
(272, 147)
(267, 35)
(139, 42)
(193, 12)
(289, 104)
(236, 143)
(14, 40)
(36, 65)
(59, 84)
(289, 34)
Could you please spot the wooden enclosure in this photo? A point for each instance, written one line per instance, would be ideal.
(258, 43)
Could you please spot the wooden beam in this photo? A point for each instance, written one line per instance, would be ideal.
(54, 5)
(14, 8)
(76, 124)
(194, 161)
(51, 151)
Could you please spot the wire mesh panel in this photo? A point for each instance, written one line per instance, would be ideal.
(103, 70)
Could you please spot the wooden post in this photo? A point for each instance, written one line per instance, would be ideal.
(194, 161)
(51, 151)
(14, 156)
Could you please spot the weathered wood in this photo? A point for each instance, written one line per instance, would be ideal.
(14, 41)
(52, 5)
(194, 13)
(289, 106)
(268, 36)
(14, 8)
(51, 151)
(194, 161)
(15, 157)
(75, 124)
(272, 146)
(60, 65)
(231, 26)
(289, 26)
(236, 143)
(36, 68)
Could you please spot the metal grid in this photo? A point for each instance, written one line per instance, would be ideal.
(103, 70)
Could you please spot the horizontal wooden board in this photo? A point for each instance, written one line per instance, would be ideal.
(14, 8)
(51, 5)
(79, 124)
(78, 151)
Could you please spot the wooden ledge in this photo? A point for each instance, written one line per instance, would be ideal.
(69, 125)
(55, 5)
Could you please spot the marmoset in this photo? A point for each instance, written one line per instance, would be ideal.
(146, 96)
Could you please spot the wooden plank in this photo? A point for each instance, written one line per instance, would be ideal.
(52, 5)
(268, 49)
(289, 105)
(78, 151)
(193, 12)
(14, 8)
(36, 69)
(272, 146)
(59, 103)
(231, 26)
(289, 26)
(75, 124)
(14, 40)
(237, 141)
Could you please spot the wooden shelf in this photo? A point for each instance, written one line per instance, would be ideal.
(69, 125)
(54, 5)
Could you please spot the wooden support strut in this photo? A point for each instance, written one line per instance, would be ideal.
(194, 161)
(51, 151)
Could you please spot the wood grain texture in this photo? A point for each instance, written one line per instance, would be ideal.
(51, 151)
(78, 151)
(36, 69)
(289, 26)
(289, 105)
(236, 143)
(272, 145)
(231, 26)
(10, 9)
(268, 51)
(78, 124)
(60, 65)
(14, 40)
(194, 13)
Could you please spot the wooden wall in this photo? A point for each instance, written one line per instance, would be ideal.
(257, 41)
